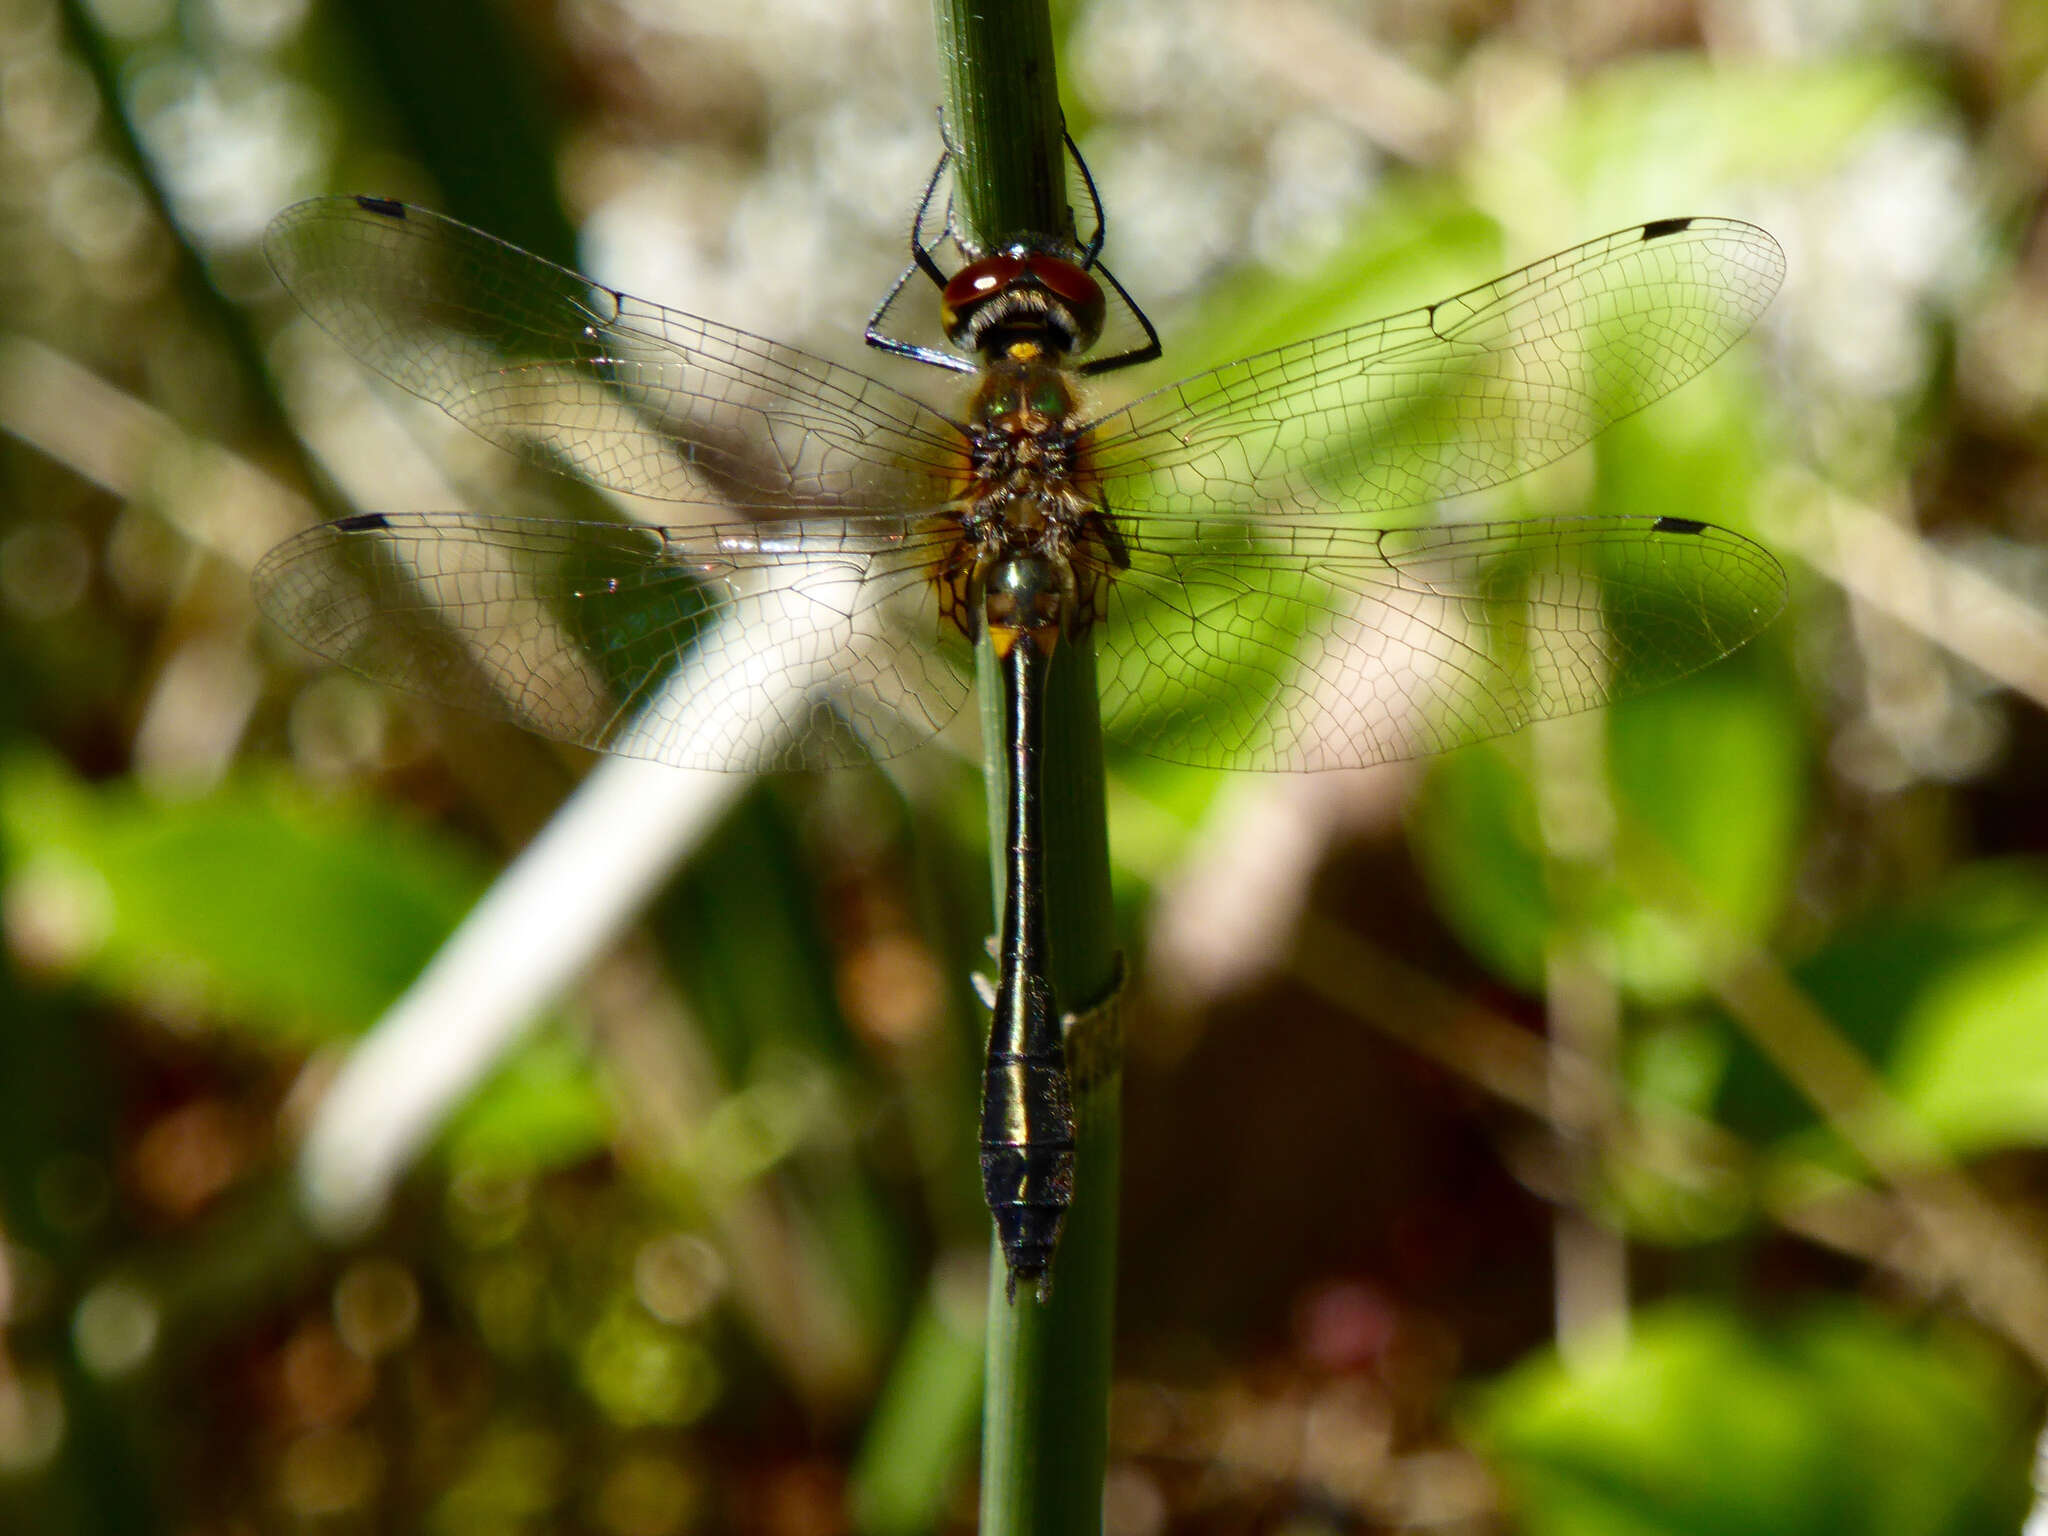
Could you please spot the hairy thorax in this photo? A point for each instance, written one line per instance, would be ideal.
(1026, 455)
(1028, 491)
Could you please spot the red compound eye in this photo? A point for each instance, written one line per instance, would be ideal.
(974, 285)
(1078, 293)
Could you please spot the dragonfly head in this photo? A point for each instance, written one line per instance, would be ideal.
(1023, 297)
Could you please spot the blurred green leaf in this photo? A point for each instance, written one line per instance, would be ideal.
(742, 925)
(1478, 845)
(1421, 241)
(486, 132)
(741, 922)
(1975, 1063)
(1946, 995)
(1696, 455)
(282, 915)
(1840, 1422)
(643, 1373)
(1678, 120)
(1963, 986)
(920, 1438)
(292, 916)
(544, 1108)
(1673, 1065)
(1711, 769)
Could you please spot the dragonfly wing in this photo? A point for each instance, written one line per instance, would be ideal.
(565, 371)
(1314, 644)
(752, 646)
(1454, 397)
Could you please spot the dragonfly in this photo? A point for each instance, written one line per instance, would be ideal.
(1255, 553)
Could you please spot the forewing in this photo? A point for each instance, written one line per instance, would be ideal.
(1311, 644)
(753, 646)
(1450, 398)
(565, 371)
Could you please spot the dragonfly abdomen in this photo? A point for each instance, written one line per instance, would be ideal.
(1027, 1132)
(1027, 1114)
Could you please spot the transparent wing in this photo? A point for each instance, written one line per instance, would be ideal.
(1306, 645)
(1450, 398)
(562, 370)
(753, 646)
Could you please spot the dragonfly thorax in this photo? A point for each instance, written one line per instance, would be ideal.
(1031, 505)
(1023, 433)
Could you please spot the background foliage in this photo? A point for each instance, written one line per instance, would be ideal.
(1634, 1126)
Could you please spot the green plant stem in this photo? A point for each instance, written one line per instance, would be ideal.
(1045, 1435)
(1003, 116)
(1045, 1421)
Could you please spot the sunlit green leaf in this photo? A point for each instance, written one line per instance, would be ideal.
(1972, 1056)
(1946, 996)
(1420, 242)
(1676, 121)
(543, 1109)
(921, 1435)
(291, 915)
(1707, 775)
(1709, 772)
(1839, 1424)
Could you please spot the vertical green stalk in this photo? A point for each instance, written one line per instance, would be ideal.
(1045, 1417)
(1045, 1439)
(1003, 116)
